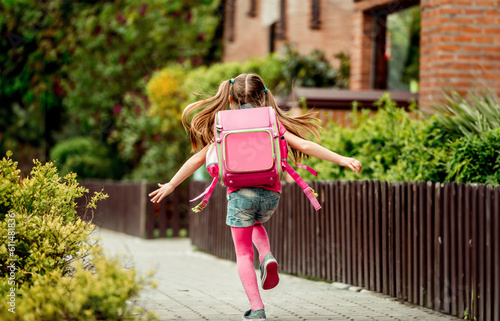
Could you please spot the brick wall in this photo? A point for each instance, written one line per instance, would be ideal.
(251, 38)
(460, 47)
(460, 40)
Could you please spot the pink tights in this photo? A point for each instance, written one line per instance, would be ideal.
(243, 237)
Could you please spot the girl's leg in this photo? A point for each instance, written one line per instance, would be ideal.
(261, 240)
(268, 264)
(242, 238)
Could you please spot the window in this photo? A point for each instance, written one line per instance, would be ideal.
(281, 34)
(272, 37)
(315, 22)
(252, 12)
(231, 11)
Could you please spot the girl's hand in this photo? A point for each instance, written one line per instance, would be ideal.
(352, 163)
(160, 193)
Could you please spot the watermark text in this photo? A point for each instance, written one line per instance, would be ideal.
(11, 261)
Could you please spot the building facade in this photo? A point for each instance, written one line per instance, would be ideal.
(459, 46)
(253, 28)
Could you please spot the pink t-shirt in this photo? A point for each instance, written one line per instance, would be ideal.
(277, 186)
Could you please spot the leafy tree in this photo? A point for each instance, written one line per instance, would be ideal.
(32, 52)
(66, 65)
(118, 45)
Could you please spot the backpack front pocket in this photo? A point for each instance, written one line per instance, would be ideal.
(248, 151)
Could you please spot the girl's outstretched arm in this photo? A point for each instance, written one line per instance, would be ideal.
(189, 167)
(312, 149)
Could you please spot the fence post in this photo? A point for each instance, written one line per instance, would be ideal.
(496, 242)
(440, 241)
(370, 235)
(489, 254)
(149, 217)
(480, 249)
(144, 201)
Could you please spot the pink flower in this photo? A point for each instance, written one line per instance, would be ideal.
(117, 109)
(189, 16)
(121, 19)
(181, 60)
(58, 89)
(122, 60)
(196, 61)
(144, 7)
(201, 36)
(97, 31)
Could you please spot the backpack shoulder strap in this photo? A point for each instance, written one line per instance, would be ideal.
(211, 162)
(311, 195)
(307, 168)
(207, 193)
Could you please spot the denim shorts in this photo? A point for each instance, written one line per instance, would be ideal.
(250, 205)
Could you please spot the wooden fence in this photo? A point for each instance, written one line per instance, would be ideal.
(129, 210)
(434, 245)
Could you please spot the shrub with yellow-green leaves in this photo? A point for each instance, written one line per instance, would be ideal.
(166, 94)
(51, 268)
(100, 293)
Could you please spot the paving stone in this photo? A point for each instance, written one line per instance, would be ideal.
(194, 286)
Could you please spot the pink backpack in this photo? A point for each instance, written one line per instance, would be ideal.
(249, 151)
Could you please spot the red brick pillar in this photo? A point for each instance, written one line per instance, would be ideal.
(460, 47)
(361, 53)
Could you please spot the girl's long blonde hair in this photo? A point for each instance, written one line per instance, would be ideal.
(246, 89)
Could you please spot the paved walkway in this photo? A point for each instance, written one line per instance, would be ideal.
(196, 286)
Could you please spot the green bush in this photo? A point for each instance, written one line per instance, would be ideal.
(396, 145)
(9, 178)
(476, 159)
(392, 144)
(56, 270)
(423, 156)
(312, 70)
(87, 158)
(100, 293)
(151, 139)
